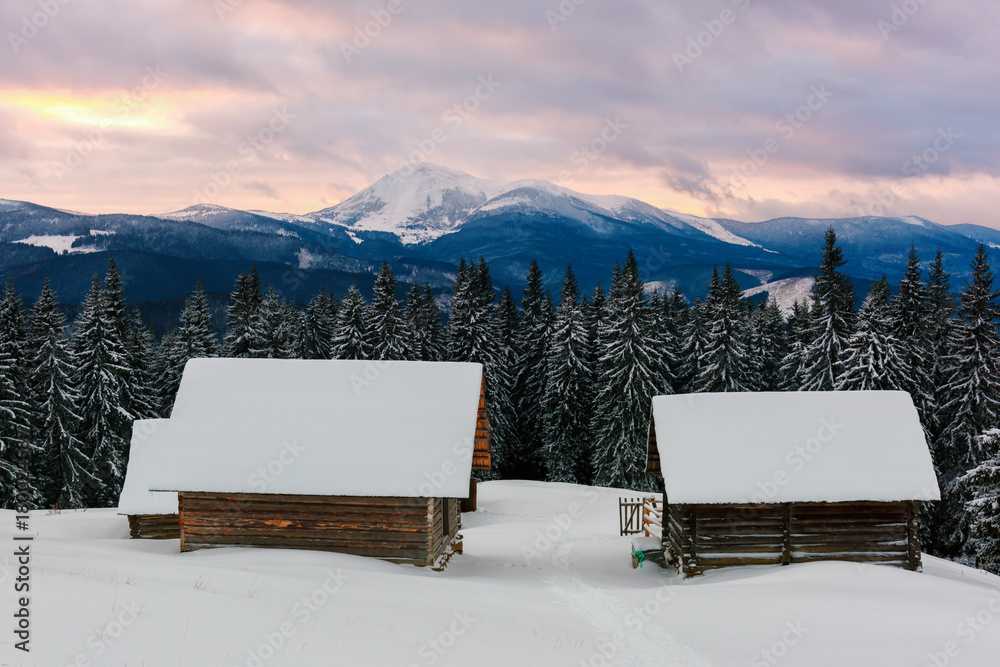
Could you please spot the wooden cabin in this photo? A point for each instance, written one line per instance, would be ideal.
(789, 477)
(151, 515)
(358, 457)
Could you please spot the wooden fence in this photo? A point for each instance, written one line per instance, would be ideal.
(643, 514)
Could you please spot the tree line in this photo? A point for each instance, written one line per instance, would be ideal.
(569, 381)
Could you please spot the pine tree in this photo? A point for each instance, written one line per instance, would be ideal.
(242, 314)
(832, 318)
(102, 377)
(630, 366)
(503, 433)
(66, 467)
(567, 404)
(114, 300)
(16, 413)
(972, 400)
(529, 385)
(874, 357)
(596, 312)
(769, 347)
(388, 328)
(973, 388)
(472, 327)
(193, 339)
(792, 373)
(909, 326)
(145, 364)
(473, 335)
(317, 327)
(695, 342)
(940, 336)
(352, 338)
(423, 324)
(724, 364)
(983, 482)
(670, 321)
(275, 327)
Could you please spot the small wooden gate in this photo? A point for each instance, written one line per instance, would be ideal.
(640, 515)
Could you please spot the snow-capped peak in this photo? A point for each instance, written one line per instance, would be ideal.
(421, 202)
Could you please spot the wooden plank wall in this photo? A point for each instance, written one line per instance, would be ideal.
(405, 530)
(706, 537)
(481, 460)
(154, 526)
(446, 519)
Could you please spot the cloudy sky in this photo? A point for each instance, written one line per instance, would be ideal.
(740, 108)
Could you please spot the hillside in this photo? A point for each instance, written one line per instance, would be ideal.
(544, 580)
(423, 218)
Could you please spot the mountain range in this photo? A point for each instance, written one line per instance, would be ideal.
(423, 218)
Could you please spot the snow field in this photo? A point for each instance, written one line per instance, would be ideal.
(544, 580)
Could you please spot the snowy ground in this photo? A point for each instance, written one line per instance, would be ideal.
(545, 580)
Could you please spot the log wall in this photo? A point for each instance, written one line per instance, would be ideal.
(402, 530)
(154, 526)
(704, 537)
(481, 460)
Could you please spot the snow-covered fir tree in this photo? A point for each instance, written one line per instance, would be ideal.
(973, 388)
(694, 344)
(194, 335)
(533, 337)
(146, 364)
(831, 318)
(388, 327)
(102, 378)
(909, 326)
(114, 299)
(472, 326)
(276, 328)
(874, 357)
(16, 413)
(66, 467)
(596, 312)
(317, 327)
(724, 363)
(940, 336)
(241, 315)
(971, 401)
(503, 434)
(631, 375)
(769, 345)
(423, 326)
(671, 317)
(792, 372)
(983, 483)
(352, 337)
(567, 403)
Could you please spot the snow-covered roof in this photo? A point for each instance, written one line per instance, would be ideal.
(146, 453)
(350, 428)
(774, 447)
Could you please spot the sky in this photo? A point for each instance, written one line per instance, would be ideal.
(729, 108)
